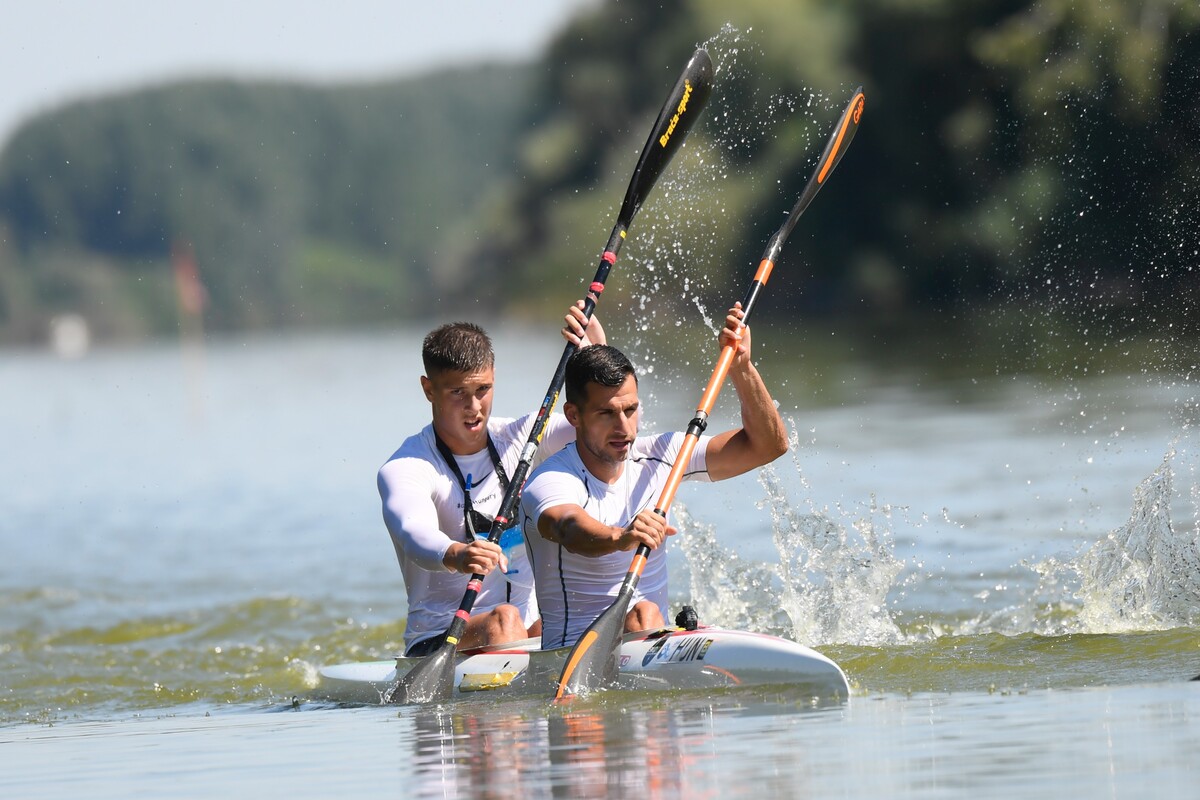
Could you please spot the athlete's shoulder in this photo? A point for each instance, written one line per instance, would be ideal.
(419, 445)
(657, 446)
(509, 431)
(566, 459)
(416, 454)
(562, 467)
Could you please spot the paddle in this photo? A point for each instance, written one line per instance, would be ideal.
(433, 677)
(592, 662)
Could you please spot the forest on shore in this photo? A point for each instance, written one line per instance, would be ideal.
(1009, 147)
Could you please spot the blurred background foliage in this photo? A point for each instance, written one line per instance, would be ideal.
(1007, 145)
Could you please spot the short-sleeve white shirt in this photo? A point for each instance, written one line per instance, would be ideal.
(574, 589)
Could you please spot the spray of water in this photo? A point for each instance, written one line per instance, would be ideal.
(829, 584)
(837, 568)
(1145, 575)
(836, 576)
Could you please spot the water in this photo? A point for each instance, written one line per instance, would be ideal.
(1011, 589)
(1093, 741)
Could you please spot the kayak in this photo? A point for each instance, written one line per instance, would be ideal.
(670, 658)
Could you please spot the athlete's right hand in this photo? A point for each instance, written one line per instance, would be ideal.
(647, 528)
(479, 557)
(736, 334)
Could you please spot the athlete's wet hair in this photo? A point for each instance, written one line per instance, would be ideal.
(600, 364)
(458, 346)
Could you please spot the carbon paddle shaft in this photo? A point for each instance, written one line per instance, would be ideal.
(593, 661)
(433, 678)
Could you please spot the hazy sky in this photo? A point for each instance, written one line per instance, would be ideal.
(53, 51)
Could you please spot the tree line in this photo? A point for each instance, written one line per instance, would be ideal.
(1009, 148)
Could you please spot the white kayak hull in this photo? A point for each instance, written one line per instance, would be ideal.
(667, 659)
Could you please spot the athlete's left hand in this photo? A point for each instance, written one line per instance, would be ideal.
(579, 330)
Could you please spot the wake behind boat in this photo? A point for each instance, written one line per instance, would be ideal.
(670, 658)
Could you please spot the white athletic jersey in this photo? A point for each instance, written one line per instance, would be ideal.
(574, 589)
(423, 511)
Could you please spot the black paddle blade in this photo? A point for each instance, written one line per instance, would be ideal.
(431, 679)
(839, 142)
(677, 117)
(592, 663)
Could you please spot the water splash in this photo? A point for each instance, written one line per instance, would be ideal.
(837, 568)
(729, 591)
(831, 580)
(836, 576)
(1143, 576)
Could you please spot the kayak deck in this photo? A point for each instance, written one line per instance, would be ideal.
(671, 658)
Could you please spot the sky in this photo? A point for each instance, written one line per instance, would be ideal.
(56, 51)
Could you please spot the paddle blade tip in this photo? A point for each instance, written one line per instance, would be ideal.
(701, 66)
(592, 662)
(678, 115)
(432, 679)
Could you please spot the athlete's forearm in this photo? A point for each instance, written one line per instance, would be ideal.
(576, 531)
(761, 422)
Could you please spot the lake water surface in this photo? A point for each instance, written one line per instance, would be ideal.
(1006, 567)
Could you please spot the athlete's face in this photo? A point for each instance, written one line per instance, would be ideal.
(606, 423)
(462, 403)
